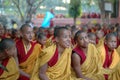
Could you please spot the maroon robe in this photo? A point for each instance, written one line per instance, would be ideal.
(108, 61)
(54, 59)
(22, 56)
(4, 63)
(80, 52)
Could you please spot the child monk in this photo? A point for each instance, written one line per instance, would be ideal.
(109, 58)
(85, 59)
(41, 39)
(92, 38)
(28, 51)
(99, 38)
(8, 67)
(3, 32)
(54, 62)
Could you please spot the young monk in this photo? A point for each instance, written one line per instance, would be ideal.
(50, 32)
(99, 38)
(92, 38)
(15, 34)
(85, 58)
(8, 67)
(41, 39)
(3, 32)
(54, 62)
(105, 28)
(109, 58)
(73, 31)
(28, 51)
(118, 36)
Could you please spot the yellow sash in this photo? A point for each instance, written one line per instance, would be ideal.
(13, 73)
(60, 71)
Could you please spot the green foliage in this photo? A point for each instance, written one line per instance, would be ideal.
(74, 8)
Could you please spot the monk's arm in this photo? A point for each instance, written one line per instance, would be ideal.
(42, 72)
(21, 72)
(77, 67)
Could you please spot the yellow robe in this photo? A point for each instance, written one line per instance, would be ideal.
(90, 66)
(118, 50)
(113, 71)
(100, 42)
(60, 71)
(49, 42)
(13, 73)
(28, 65)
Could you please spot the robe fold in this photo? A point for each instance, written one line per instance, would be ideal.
(60, 70)
(11, 66)
(100, 42)
(27, 60)
(108, 64)
(89, 67)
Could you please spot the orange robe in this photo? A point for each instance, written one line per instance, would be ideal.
(80, 52)
(107, 63)
(100, 42)
(89, 63)
(11, 66)
(60, 70)
(27, 60)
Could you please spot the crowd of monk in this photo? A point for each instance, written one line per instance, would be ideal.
(88, 52)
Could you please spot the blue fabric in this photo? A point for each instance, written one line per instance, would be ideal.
(46, 21)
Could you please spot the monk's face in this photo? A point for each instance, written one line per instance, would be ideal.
(99, 34)
(51, 31)
(111, 43)
(83, 40)
(12, 50)
(92, 39)
(27, 34)
(64, 40)
(43, 40)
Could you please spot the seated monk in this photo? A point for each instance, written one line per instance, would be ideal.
(41, 39)
(118, 36)
(92, 38)
(109, 58)
(99, 38)
(3, 32)
(28, 52)
(50, 37)
(8, 67)
(54, 62)
(15, 35)
(84, 59)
